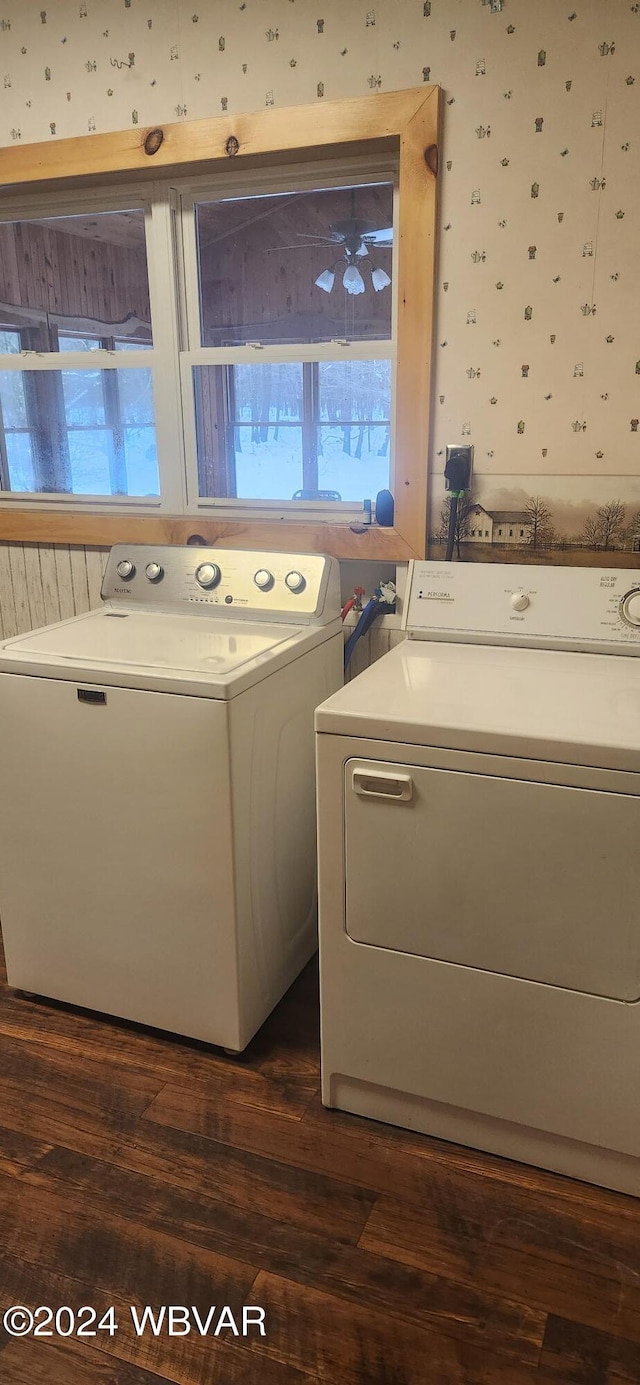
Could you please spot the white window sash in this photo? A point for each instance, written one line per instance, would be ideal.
(321, 175)
(161, 358)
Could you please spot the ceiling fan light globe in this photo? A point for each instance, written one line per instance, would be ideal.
(353, 280)
(325, 280)
(380, 279)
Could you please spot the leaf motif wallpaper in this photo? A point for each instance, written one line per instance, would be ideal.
(538, 313)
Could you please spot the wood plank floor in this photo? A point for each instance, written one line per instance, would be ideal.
(139, 1169)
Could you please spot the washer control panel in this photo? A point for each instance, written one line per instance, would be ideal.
(504, 603)
(296, 587)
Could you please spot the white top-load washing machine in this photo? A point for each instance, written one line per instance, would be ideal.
(479, 865)
(157, 815)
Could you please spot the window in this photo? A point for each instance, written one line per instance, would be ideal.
(252, 339)
(77, 411)
(291, 344)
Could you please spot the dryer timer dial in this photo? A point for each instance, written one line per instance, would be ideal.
(630, 608)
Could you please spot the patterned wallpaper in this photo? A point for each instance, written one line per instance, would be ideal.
(538, 341)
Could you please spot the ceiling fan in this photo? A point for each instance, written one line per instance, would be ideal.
(354, 236)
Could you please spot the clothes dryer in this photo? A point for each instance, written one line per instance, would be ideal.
(479, 857)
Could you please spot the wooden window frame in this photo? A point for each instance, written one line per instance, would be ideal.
(405, 124)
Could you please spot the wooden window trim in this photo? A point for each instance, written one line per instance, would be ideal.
(406, 122)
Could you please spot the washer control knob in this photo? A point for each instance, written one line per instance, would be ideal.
(295, 582)
(208, 575)
(263, 579)
(519, 601)
(125, 568)
(154, 571)
(630, 608)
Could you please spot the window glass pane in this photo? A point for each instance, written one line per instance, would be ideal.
(318, 431)
(9, 343)
(259, 260)
(79, 343)
(67, 343)
(268, 467)
(353, 460)
(355, 390)
(268, 393)
(20, 460)
(353, 437)
(82, 432)
(90, 461)
(83, 396)
(249, 431)
(13, 407)
(135, 388)
(141, 460)
(95, 283)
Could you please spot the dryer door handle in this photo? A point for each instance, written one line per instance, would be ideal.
(374, 783)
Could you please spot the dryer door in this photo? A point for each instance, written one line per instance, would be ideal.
(532, 880)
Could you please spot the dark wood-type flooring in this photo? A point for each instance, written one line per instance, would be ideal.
(136, 1168)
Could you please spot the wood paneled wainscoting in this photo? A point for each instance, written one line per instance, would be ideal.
(42, 583)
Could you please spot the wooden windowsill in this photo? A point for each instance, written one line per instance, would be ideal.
(101, 531)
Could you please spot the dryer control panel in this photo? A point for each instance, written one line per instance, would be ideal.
(502, 603)
(300, 588)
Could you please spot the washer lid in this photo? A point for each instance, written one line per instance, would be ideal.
(531, 703)
(143, 648)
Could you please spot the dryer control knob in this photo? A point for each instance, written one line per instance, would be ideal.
(125, 568)
(519, 601)
(630, 608)
(263, 579)
(208, 575)
(295, 582)
(154, 572)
